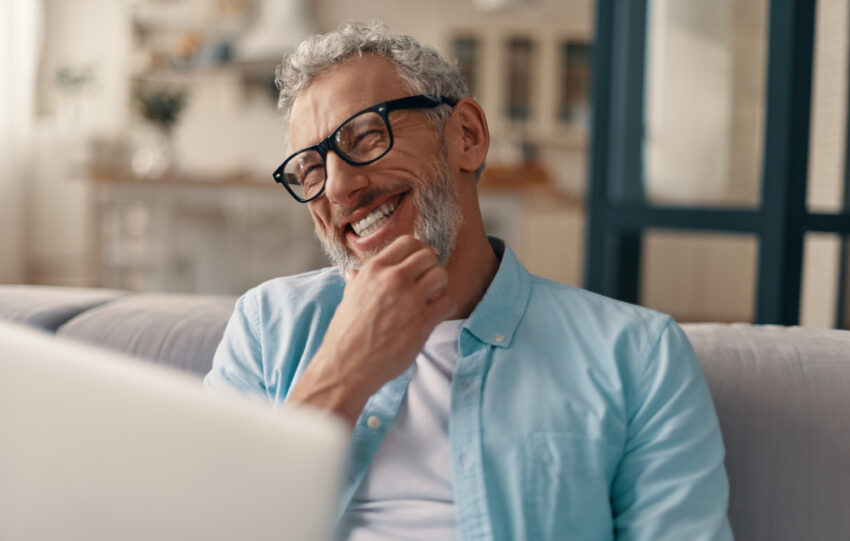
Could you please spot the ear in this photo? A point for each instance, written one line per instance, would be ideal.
(469, 137)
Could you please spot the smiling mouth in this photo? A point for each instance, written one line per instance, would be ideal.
(375, 219)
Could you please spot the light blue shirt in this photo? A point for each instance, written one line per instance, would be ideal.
(573, 416)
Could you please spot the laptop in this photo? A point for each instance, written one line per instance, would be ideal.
(98, 446)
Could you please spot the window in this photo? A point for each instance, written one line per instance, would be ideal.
(466, 50)
(520, 55)
(573, 100)
(794, 243)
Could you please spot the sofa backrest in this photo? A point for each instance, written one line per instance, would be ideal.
(783, 399)
(181, 331)
(48, 307)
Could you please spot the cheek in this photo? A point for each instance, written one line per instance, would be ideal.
(409, 164)
(419, 159)
(321, 214)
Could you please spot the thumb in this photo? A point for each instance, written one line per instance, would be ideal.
(351, 274)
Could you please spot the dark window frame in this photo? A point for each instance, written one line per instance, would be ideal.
(616, 224)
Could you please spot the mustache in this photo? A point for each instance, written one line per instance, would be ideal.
(367, 198)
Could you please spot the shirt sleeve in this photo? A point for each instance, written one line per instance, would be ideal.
(238, 360)
(671, 482)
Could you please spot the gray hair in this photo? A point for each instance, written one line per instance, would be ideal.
(421, 67)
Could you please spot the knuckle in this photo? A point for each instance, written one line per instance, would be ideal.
(420, 262)
(427, 253)
(393, 279)
(371, 265)
(411, 243)
(406, 240)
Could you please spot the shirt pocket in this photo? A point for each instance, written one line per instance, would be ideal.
(567, 482)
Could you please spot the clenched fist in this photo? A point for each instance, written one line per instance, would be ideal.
(387, 312)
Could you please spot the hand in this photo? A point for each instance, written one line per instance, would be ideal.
(387, 312)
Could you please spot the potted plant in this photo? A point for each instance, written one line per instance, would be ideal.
(160, 107)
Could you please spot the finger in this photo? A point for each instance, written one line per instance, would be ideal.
(440, 309)
(351, 274)
(436, 294)
(418, 263)
(432, 281)
(398, 250)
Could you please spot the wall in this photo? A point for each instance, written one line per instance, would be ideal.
(82, 34)
(19, 48)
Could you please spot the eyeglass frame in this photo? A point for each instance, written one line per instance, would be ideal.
(420, 101)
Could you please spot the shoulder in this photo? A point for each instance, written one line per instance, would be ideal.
(593, 311)
(573, 319)
(274, 329)
(612, 335)
(306, 287)
(294, 294)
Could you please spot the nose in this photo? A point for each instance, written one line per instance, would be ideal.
(344, 182)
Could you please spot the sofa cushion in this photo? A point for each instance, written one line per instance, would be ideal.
(48, 307)
(182, 331)
(783, 399)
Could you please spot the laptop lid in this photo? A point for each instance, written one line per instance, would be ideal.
(97, 446)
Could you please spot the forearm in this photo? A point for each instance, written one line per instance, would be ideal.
(328, 386)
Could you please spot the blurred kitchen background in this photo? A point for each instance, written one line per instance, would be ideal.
(138, 139)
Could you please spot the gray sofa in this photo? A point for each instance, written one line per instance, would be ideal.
(782, 394)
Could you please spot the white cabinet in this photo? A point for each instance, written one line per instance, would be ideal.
(195, 237)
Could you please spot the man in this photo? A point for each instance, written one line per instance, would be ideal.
(485, 402)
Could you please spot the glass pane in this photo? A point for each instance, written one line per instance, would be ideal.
(465, 50)
(574, 99)
(819, 299)
(828, 135)
(520, 57)
(705, 97)
(698, 276)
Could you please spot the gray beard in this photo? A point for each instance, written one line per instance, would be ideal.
(438, 219)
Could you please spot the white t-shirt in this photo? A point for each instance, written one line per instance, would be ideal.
(407, 491)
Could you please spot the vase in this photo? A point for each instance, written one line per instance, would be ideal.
(153, 152)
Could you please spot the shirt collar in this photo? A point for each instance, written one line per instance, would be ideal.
(497, 315)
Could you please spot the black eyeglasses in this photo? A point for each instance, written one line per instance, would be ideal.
(363, 138)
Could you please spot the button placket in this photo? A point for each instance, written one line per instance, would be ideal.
(464, 459)
(465, 432)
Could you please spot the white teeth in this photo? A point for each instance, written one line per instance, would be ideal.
(374, 219)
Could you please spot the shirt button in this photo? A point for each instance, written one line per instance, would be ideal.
(373, 422)
(500, 338)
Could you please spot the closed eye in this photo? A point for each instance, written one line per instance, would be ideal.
(368, 140)
(311, 175)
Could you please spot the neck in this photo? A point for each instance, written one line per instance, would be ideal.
(471, 267)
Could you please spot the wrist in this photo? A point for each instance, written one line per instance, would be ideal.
(327, 385)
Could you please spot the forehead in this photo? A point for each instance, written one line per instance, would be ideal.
(338, 94)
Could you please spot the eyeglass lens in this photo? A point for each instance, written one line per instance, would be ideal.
(360, 140)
